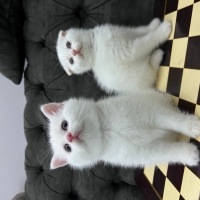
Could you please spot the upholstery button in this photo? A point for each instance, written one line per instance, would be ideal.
(73, 196)
(42, 43)
(41, 86)
(115, 185)
(82, 13)
(41, 170)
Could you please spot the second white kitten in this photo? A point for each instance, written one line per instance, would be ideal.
(123, 59)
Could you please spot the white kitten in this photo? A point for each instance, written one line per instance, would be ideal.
(123, 59)
(127, 131)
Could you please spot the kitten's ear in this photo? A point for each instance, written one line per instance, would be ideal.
(62, 33)
(56, 162)
(69, 72)
(50, 109)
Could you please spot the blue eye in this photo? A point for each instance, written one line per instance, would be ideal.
(71, 60)
(64, 125)
(67, 148)
(68, 44)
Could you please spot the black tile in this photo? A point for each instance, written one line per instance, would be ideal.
(198, 98)
(196, 169)
(167, 48)
(196, 1)
(159, 181)
(144, 185)
(192, 59)
(186, 106)
(171, 6)
(175, 175)
(181, 198)
(174, 81)
(183, 20)
(159, 8)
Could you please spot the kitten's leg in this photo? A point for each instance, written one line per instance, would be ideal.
(143, 46)
(162, 151)
(155, 23)
(172, 118)
(143, 30)
(156, 58)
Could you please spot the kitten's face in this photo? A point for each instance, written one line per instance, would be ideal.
(74, 50)
(74, 133)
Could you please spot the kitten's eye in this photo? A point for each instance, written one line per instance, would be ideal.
(71, 60)
(67, 148)
(64, 125)
(68, 44)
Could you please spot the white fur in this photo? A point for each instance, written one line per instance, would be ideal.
(123, 59)
(134, 130)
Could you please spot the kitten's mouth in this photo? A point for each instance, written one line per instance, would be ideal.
(77, 52)
(74, 137)
(80, 54)
(78, 135)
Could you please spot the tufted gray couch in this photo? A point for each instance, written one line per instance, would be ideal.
(29, 28)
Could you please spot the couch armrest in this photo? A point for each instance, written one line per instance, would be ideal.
(20, 196)
(12, 54)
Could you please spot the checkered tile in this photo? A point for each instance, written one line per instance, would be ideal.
(179, 75)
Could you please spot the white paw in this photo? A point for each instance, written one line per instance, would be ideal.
(191, 156)
(195, 126)
(158, 53)
(154, 24)
(165, 28)
(156, 58)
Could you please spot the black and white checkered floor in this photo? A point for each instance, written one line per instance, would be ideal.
(179, 75)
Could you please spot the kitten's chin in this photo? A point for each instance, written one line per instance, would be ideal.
(82, 161)
(80, 72)
(83, 166)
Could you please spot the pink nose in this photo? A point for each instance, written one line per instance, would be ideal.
(70, 137)
(74, 52)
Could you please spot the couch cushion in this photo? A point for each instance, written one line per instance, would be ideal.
(46, 81)
(11, 39)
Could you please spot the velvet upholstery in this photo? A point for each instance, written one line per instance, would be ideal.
(46, 81)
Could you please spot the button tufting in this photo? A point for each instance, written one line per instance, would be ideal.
(43, 43)
(41, 86)
(73, 196)
(115, 185)
(41, 170)
(82, 13)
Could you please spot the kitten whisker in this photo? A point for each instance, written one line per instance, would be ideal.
(44, 152)
(81, 110)
(46, 155)
(88, 173)
(45, 123)
(87, 135)
(88, 72)
(83, 118)
(48, 149)
(97, 169)
(45, 160)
